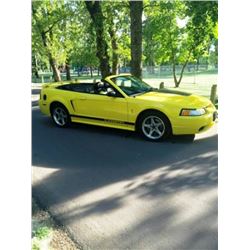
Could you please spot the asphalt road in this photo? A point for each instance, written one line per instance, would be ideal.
(113, 190)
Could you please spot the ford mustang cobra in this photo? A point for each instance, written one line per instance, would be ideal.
(126, 102)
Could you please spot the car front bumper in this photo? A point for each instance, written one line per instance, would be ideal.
(186, 125)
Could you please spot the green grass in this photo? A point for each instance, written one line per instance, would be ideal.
(42, 232)
(200, 84)
(42, 227)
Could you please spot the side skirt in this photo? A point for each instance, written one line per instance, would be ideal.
(103, 122)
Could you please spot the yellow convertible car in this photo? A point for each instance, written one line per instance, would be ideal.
(126, 102)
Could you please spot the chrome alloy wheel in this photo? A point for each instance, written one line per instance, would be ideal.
(153, 127)
(60, 116)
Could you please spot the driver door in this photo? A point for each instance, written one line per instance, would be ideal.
(101, 107)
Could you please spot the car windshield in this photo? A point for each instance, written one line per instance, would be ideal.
(131, 85)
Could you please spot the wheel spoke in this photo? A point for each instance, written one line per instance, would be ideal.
(152, 121)
(147, 126)
(151, 132)
(158, 131)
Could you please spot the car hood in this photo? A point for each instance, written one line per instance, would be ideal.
(178, 98)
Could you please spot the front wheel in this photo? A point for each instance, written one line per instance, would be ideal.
(154, 126)
(60, 115)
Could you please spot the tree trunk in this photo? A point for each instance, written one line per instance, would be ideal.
(114, 49)
(175, 78)
(95, 11)
(176, 81)
(197, 64)
(55, 70)
(91, 71)
(36, 67)
(52, 61)
(152, 65)
(136, 8)
(36, 73)
(67, 66)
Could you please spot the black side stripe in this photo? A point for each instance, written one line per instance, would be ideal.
(101, 119)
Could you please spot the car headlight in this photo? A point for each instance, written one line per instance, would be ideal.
(192, 112)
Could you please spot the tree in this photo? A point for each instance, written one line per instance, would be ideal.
(84, 53)
(72, 30)
(177, 34)
(136, 9)
(95, 11)
(112, 13)
(203, 26)
(92, 33)
(45, 18)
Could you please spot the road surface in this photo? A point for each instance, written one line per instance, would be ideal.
(113, 190)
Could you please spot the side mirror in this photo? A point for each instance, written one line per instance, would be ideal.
(111, 93)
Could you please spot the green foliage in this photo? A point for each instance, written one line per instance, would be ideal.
(117, 19)
(41, 237)
(42, 233)
(174, 32)
(83, 46)
(179, 32)
(47, 17)
(35, 246)
(68, 33)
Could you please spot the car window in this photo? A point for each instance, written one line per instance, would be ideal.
(131, 85)
(123, 82)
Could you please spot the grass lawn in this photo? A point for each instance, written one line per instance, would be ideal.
(199, 84)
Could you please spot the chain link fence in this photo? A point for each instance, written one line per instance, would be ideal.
(159, 72)
(167, 70)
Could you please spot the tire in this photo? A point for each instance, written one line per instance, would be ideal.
(154, 126)
(60, 115)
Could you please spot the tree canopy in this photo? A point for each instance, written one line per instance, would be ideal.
(110, 35)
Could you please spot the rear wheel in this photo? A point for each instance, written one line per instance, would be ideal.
(154, 126)
(60, 115)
